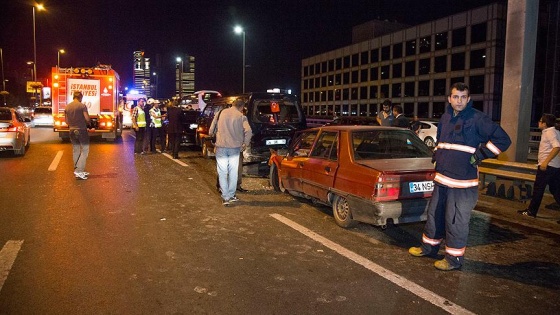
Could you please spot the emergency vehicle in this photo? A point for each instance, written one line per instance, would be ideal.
(100, 87)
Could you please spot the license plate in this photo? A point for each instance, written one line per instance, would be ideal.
(275, 141)
(421, 186)
(193, 126)
(3, 134)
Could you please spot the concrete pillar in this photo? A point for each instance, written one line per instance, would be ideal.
(519, 68)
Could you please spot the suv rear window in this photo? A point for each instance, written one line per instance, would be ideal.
(262, 111)
(42, 110)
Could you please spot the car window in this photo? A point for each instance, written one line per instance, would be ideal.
(42, 111)
(303, 143)
(5, 115)
(326, 146)
(426, 126)
(286, 111)
(388, 144)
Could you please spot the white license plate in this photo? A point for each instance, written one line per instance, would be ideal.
(3, 134)
(193, 126)
(275, 141)
(421, 186)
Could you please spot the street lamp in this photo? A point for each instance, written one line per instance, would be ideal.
(156, 84)
(40, 7)
(239, 30)
(60, 51)
(180, 78)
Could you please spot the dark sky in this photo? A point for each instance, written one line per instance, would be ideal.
(278, 35)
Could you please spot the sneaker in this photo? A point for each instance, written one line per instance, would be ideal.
(241, 189)
(80, 175)
(445, 265)
(225, 203)
(85, 173)
(552, 206)
(526, 212)
(234, 199)
(416, 252)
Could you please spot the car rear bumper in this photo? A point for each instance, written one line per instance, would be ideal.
(377, 213)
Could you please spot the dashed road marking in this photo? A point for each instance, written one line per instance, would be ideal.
(56, 160)
(8, 255)
(404, 283)
(174, 160)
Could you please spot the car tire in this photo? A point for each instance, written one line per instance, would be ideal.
(21, 151)
(275, 180)
(342, 213)
(429, 141)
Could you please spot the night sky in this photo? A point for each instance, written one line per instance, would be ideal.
(278, 35)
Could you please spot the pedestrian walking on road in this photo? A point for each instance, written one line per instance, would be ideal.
(77, 119)
(548, 167)
(465, 136)
(233, 135)
(139, 125)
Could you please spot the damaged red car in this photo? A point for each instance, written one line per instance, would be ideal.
(366, 174)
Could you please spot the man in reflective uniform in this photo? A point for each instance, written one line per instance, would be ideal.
(465, 136)
(139, 125)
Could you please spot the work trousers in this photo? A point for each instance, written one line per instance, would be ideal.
(449, 213)
(154, 134)
(550, 177)
(174, 143)
(139, 142)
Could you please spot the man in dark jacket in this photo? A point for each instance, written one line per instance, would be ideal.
(174, 128)
(465, 136)
(400, 120)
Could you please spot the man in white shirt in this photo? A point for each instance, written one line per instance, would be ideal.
(548, 171)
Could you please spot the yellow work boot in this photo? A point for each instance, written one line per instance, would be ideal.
(444, 265)
(416, 251)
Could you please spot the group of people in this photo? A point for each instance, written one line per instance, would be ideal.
(147, 122)
(392, 115)
(466, 136)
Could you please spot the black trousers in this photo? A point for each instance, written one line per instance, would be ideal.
(154, 134)
(174, 143)
(139, 143)
(550, 177)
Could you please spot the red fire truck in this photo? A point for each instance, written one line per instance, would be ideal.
(100, 87)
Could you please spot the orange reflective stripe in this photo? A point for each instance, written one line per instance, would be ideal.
(455, 251)
(455, 183)
(493, 148)
(430, 241)
(456, 147)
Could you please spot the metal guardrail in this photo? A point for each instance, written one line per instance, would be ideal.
(508, 170)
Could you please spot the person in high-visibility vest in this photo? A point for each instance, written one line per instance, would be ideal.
(139, 125)
(156, 129)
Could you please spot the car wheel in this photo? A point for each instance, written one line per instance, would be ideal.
(342, 213)
(275, 181)
(21, 151)
(429, 141)
(205, 152)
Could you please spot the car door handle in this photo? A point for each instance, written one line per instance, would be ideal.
(328, 169)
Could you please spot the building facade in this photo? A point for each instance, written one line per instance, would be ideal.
(185, 76)
(142, 74)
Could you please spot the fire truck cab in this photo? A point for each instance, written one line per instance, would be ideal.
(100, 87)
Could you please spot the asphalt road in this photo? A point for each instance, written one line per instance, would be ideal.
(149, 235)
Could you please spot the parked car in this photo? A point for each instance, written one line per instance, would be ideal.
(428, 133)
(42, 116)
(15, 133)
(367, 174)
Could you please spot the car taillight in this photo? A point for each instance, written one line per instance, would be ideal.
(387, 188)
(12, 128)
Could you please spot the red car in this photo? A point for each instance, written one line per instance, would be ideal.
(367, 174)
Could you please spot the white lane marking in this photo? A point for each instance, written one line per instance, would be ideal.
(404, 283)
(56, 160)
(174, 160)
(7, 257)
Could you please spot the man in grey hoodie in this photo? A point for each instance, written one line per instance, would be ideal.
(233, 135)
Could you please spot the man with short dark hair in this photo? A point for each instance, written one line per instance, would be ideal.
(385, 116)
(548, 167)
(400, 120)
(465, 136)
(77, 119)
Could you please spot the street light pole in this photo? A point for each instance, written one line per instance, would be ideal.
(60, 51)
(179, 59)
(239, 30)
(40, 7)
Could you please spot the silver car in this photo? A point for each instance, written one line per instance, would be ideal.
(42, 116)
(15, 133)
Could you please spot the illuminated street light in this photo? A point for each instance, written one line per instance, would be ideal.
(60, 51)
(39, 7)
(239, 30)
(180, 78)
